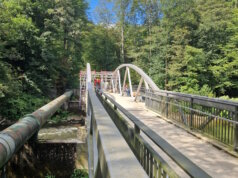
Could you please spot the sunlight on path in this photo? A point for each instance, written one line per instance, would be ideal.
(215, 162)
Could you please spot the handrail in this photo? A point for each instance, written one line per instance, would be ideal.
(109, 154)
(151, 161)
(214, 117)
(197, 97)
(187, 165)
(13, 137)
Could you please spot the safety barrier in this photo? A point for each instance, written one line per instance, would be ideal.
(214, 117)
(153, 164)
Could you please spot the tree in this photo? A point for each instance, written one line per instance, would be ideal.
(40, 51)
(226, 67)
(100, 48)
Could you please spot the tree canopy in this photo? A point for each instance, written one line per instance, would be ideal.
(184, 45)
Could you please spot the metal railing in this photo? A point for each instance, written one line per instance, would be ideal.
(215, 118)
(14, 137)
(108, 153)
(152, 162)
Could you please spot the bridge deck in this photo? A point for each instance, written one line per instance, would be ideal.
(215, 162)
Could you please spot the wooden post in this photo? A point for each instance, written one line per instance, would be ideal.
(236, 130)
(167, 105)
(124, 82)
(129, 78)
(119, 81)
(191, 113)
(138, 89)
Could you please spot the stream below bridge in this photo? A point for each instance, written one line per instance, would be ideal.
(60, 151)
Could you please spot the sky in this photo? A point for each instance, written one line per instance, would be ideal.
(92, 5)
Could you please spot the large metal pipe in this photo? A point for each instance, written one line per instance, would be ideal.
(13, 137)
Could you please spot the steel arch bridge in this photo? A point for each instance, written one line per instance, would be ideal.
(141, 131)
(196, 114)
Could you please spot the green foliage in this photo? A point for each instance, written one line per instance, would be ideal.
(205, 90)
(40, 51)
(228, 98)
(16, 107)
(59, 116)
(226, 67)
(79, 173)
(184, 45)
(100, 48)
(192, 69)
(50, 176)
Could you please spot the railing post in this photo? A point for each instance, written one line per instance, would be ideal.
(236, 130)
(137, 129)
(167, 105)
(191, 113)
(137, 146)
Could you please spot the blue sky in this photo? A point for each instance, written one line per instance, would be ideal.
(92, 5)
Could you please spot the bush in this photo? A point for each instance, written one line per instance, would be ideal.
(49, 176)
(79, 173)
(15, 107)
(205, 90)
(60, 115)
(228, 98)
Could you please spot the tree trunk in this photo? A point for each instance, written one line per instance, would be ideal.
(122, 45)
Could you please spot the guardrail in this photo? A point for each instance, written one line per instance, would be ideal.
(109, 154)
(214, 117)
(13, 137)
(153, 164)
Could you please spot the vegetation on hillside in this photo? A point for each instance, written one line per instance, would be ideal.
(184, 45)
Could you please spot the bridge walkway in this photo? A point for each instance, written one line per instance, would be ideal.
(212, 160)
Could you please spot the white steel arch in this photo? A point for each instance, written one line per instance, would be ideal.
(146, 78)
